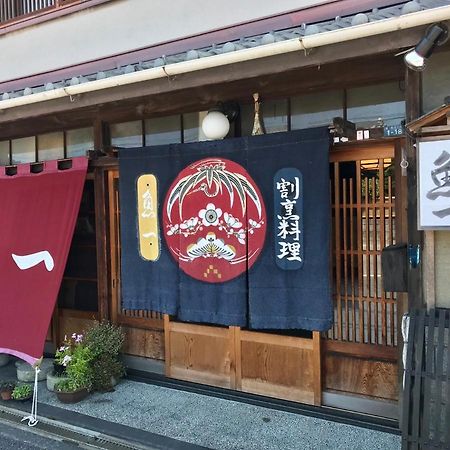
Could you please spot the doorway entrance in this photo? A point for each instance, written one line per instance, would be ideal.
(361, 349)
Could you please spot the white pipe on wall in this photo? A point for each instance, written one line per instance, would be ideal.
(263, 51)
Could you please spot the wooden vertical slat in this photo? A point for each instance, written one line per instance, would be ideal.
(416, 401)
(359, 249)
(102, 243)
(368, 266)
(406, 406)
(428, 376)
(337, 236)
(382, 245)
(167, 344)
(439, 374)
(374, 259)
(346, 330)
(237, 358)
(317, 368)
(352, 260)
(113, 213)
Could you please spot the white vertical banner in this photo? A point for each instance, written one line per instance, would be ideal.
(434, 184)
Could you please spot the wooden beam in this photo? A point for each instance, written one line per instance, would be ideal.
(357, 350)
(269, 76)
(429, 275)
(102, 234)
(413, 83)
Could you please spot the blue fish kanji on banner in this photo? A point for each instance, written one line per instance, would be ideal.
(232, 232)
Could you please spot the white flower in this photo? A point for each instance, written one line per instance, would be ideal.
(241, 236)
(74, 335)
(254, 223)
(66, 360)
(79, 338)
(232, 221)
(210, 215)
(189, 224)
(63, 348)
(173, 229)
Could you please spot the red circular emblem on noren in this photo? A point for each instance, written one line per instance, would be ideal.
(214, 220)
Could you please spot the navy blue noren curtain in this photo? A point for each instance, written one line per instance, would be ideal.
(277, 289)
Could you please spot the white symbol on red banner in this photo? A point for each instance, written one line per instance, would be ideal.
(25, 262)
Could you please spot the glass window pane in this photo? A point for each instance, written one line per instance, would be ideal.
(127, 134)
(273, 116)
(368, 104)
(23, 150)
(79, 141)
(51, 146)
(4, 153)
(318, 109)
(163, 130)
(192, 130)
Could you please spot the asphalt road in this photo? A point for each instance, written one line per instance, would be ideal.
(13, 438)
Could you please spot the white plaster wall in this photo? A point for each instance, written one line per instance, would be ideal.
(121, 26)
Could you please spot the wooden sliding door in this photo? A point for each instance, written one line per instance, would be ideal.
(361, 348)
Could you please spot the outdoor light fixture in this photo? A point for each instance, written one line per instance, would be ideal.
(216, 124)
(435, 35)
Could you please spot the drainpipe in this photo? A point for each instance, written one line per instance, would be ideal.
(292, 45)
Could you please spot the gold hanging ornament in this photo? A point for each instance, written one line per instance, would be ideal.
(257, 124)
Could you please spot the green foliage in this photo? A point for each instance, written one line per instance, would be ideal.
(22, 391)
(92, 360)
(80, 370)
(106, 341)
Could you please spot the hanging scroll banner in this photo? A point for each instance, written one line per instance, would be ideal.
(147, 195)
(288, 217)
(38, 216)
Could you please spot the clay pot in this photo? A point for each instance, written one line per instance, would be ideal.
(6, 394)
(72, 397)
(52, 379)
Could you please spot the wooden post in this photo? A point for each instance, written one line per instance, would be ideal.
(317, 368)
(413, 110)
(429, 275)
(101, 228)
(167, 344)
(237, 359)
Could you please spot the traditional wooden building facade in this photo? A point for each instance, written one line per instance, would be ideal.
(94, 81)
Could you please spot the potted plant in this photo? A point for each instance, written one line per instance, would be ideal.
(22, 392)
(6, 389)
(106, 341)
(79, 374)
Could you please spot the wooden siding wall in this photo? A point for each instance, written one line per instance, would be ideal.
(261, 363)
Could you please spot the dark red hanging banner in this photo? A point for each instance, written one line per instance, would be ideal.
(37, 220)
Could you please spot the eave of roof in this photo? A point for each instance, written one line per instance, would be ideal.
(227, 47)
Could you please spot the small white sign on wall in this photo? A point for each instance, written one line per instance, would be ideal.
(434, 184)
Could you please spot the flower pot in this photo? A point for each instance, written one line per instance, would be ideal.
(6, 394)
(23, 399)
(72, 397)
(26, 373)
(52, 379)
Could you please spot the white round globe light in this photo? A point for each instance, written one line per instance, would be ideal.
(215, 125)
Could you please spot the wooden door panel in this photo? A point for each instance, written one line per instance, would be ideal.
(362, 187)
